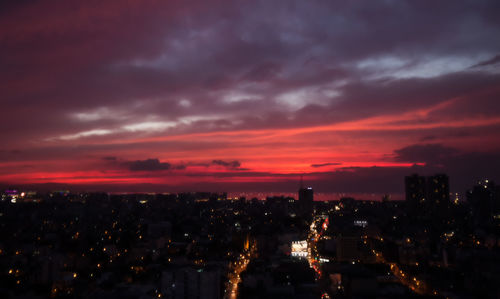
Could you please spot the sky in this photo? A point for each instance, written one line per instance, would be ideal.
(169, 96)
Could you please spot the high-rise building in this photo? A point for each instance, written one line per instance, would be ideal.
(306, 195)
(430, 193)
(484, 200)
(438, 189)
(306, 198)
(416, 189)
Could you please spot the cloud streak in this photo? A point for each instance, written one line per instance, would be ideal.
(325, 164)
(228, 164)
(148, 165)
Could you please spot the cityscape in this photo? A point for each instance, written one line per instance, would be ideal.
(208, 245)
(233, 149)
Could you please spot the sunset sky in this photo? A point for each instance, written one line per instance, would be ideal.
(170, 96)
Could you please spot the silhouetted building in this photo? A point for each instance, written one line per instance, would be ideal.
(484, 201)
(426, 195)
(347, 203)
(306, 196)
(348, 248)
(191, 283)
(416, 189)
(438, 189)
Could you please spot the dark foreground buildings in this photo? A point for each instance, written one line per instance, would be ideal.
(431, 192)
(306, 200)
(208, 245)
(484, 200)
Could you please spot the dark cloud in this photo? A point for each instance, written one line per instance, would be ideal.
(425, 153)
(154, 164)
(148, 165)
(396, 96)
(180, 167)
(464, 168)
(325, 164)
(491, 61)
(428, 138)
(441, 135)
(229, 164)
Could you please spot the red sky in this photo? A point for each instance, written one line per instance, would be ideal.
(248, 95)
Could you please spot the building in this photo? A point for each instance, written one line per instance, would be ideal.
(415, 189)
(348, 248)
(484, 200)
(306, 196)
(438, 189)
(306, 199)
(427, 193)
(185, 283)
(305, 204)
(299, 249)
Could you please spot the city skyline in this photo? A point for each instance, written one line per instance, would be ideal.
(154, 96)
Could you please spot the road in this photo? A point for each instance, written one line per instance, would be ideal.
(312, 240)
(237, 267)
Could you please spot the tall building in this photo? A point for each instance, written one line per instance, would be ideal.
(484, 200)
(306, 195)
(306, 198)
(415, 188)
(431, 192)
(438, 189)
